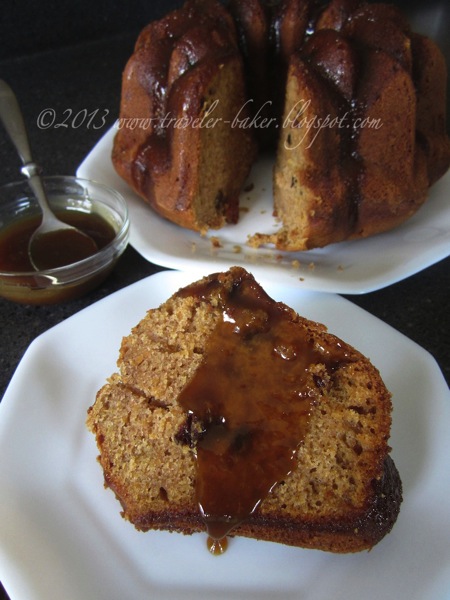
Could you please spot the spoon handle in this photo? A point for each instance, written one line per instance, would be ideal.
(12, 119)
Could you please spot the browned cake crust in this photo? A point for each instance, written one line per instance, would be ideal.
(344, 493)
(377, 88)
(176, 145)
(358, 150)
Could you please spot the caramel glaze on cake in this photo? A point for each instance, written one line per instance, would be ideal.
(366, 78)
(181, 90)
(351, 98)
(231, 413)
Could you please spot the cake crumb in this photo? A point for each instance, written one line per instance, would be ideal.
(237, 249)
(311, 266)
(296, 264)
(215, 242)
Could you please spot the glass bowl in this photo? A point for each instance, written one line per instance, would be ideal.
(95, 208)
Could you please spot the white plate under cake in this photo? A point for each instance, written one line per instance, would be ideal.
(353, 267)
(61, 535)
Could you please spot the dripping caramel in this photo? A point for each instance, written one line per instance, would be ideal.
(252, 395)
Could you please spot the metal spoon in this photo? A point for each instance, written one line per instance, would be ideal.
(54, 243)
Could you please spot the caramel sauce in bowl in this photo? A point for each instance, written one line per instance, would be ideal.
(250, 400)
(94, 208)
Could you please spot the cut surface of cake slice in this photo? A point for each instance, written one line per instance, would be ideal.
(176, 145)
(232, 414)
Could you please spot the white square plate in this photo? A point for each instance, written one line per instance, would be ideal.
(61, 533)
(354, 267)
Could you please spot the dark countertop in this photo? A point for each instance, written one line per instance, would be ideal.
(86, 75)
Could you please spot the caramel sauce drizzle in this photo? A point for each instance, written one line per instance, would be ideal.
(252, 396)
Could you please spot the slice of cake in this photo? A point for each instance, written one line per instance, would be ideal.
(232, 414)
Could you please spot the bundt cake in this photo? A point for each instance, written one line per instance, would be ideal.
(231, 413)
(351, 99)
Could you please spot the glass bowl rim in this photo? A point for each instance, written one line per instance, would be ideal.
(81, 267)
